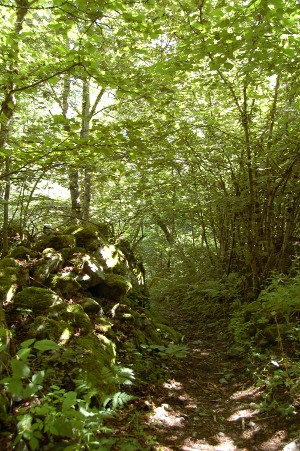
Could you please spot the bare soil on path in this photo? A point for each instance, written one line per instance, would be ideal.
(210, 402)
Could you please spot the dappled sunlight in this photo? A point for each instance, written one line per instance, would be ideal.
(110, 255)
(242, 414)
(173, 384)
(166, 416)
(223, 443)
(253, 392)
(65, 336)
(10, 294)
(275, 442)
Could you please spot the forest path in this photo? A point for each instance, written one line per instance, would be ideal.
(208, 403)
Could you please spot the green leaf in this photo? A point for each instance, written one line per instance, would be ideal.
(30, 390)
(34, 443)
(46, 345)
(60, 119)
(15, 387)
(25, 423)
(19, 368)
(24, 353)
(38, 377)
(70, 400)
(27, 343)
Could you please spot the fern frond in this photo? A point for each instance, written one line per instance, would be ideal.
(117, 399)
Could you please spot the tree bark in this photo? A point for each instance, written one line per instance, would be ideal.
(8, 107)
(84, 133)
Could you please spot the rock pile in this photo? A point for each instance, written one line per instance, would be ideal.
(78, 289)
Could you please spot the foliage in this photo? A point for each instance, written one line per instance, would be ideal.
(269, 330)
(177, 123)
(172, 350)
(59, 412)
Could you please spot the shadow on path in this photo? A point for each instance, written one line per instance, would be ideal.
(209, 403)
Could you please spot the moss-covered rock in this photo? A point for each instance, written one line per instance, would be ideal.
(110, 255)
(78, 319)
(97, 357)
(38, 300)
(73, 314)
(90, 306)
(115, 287)
(88, 236)
(8, 262)
(58, 311)
(92, 272)
(6, 347)
(23, 252)
(12, 278)
(56, 241)
(103, 325)
(50, 263)
(57, 330)
(105, 229)
(66, 252)
(67, 286)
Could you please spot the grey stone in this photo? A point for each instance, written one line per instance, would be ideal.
(293, 446)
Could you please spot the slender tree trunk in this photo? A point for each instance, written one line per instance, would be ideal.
(75, 194)
(252, 219)
(88, 112)
(5, 230)
(73, 172)
(8, 107)
(84, 133)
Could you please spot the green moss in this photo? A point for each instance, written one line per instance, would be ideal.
(73, 314)
(58, 310)
(49, 264)
(97, 358)
(8, 263)
(59, 331)
(102, 325)
(122, 269)
(89, 305)
(23, 252)
(115, 287)
(105, 229)
(38, 300)
(12, 278)
(76, 316)
(88, 237)
(66, 285)
(56, 241)
(5, 345)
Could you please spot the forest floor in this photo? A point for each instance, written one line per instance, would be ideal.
(209, 402)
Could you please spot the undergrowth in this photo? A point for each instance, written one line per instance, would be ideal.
(268, 331)
(44, 415)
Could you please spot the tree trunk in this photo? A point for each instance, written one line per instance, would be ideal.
(84, 133)
(87, 114)
(8, 107)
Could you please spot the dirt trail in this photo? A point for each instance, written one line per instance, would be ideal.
(208, 404)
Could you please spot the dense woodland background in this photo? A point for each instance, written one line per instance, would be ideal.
(175, 122)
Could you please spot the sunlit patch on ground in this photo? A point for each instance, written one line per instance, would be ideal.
(276, 441)
(242, 414)
(164, 415)
(223, 443)
(173, 385)
(253, 392)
